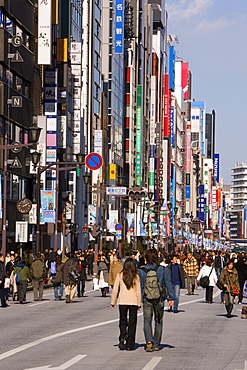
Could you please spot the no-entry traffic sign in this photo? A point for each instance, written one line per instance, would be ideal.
(94, 161)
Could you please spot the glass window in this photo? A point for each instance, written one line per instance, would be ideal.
(9, 78)
(1, 72)
(15, 189)
(19, 84)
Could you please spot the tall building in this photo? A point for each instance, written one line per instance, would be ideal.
(239, 199)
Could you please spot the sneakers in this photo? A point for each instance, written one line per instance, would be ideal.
(156, 349)
(149, 347)
(175, 311)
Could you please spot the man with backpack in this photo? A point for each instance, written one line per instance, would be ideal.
(155, 282)
(38, 273)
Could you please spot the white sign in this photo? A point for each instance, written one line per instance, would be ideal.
(116, 190)
(61, 123)
(185, 219)
(32, 216)
(21, 231)
(44, 32)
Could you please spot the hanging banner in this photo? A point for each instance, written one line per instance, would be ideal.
(113, 220)
(48, 205)
(91, 215)
(131, 222)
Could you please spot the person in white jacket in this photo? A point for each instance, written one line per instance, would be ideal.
(208, 270)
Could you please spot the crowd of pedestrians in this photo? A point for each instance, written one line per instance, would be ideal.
(136, 280)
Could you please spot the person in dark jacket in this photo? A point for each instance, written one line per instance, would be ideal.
(150, 309)
(83, 276)
(90, 261)
(38, 273)
(22, 269)
(70, 270)
(2, 279)
(241, 268)
(178, 281)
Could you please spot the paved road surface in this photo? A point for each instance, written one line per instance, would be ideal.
(84, 335)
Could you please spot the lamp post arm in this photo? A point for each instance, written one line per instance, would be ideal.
(16, 146)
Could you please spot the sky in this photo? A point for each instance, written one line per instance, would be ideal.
(212, 38)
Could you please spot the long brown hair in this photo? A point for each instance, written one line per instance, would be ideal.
(129, 272)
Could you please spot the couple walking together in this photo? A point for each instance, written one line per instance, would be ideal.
(131, 290)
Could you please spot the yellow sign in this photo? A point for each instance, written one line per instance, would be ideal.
(113, 172)
(62, 50)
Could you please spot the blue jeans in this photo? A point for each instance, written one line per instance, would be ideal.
(218, 271)
(148, 311)
(56, 287)
(176, 294)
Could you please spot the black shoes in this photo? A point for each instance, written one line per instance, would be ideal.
(121, 344)
(175, 311)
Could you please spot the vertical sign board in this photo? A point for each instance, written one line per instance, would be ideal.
(217, 167)
(21, 231)
(113, 220)
(172, 127)
(119, 33)
(44, 32)
(138, 134)
(172, 57)
(47, 205)
(166, 107)
(152, 134)
(50, 100)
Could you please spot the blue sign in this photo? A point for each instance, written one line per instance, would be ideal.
(187, 196)
(119, 32)
(118, 227)
(93, 161)
(217, 167)
(172, 56)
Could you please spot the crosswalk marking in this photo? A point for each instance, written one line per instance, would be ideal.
(245, 366)
(152, 363)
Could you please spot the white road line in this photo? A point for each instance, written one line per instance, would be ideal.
(152, 363)
(64, 366)
(36, 304)
(54, 336)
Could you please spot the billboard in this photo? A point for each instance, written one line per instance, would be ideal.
(172, 57)
(166, 106)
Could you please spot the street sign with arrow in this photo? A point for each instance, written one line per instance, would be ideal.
(16, 163)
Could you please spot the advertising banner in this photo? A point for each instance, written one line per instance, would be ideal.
(48, 205)
(91, 214)
(166, 107)
(131, 222)
(44, 32)
(113, 220)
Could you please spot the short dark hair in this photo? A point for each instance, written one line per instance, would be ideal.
(209, 261)
(1, 255)
(151, 256)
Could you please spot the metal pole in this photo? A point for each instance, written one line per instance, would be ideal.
(4, 231)
(56, 210)
(37, 250)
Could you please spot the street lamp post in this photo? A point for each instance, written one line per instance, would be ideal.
(40, 170)
(33, 137)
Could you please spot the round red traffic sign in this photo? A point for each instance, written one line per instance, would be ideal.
(94, 161)
(118, 227)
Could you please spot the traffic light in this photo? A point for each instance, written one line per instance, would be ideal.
(85, 231)
(95, 231)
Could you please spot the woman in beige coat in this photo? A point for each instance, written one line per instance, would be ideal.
(115, 267)
(127, 292)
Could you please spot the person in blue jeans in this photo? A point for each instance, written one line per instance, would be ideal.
(156, 309)
(178, 281)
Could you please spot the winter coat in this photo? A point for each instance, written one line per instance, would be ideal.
(123, 296)
(90, 258)
(181, 274)
(72, 262)
(24, 272)
(10, 266)
(190, 267)
(38, 269)
(205, 271)
(229, 278)
(241, 268)
(115, 268)
(102, 266)
(2, 272)
(82, 267)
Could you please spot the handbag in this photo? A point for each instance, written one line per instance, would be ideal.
(234, 290)
(204, 281)
(219, 285)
